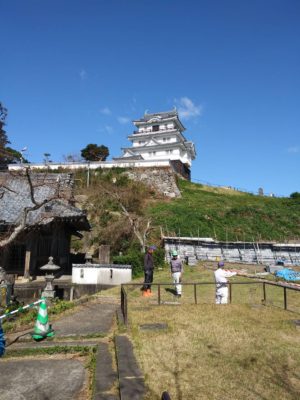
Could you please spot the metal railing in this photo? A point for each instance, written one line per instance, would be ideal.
(263, 284)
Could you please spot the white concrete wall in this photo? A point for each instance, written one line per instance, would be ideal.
(99, 274)
(94, 165)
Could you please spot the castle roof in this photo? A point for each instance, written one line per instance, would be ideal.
(161, 115)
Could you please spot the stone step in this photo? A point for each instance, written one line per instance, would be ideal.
(131, 379)
(50, 344)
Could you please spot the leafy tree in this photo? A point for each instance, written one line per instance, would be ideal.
(13, 156)
(92, 152)
(47, 158)
(72, 158)
(3, 136)
(7, 154)
(295, 195)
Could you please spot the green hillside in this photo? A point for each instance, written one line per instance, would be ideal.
(227, 215)
(115, 204)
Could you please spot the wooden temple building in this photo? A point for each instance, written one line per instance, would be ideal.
(41, 207)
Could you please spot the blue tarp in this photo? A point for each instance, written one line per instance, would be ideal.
(288, 274)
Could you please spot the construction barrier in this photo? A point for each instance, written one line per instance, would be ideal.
(20, 309)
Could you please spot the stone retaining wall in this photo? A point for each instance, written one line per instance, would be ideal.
(162, 179)
(241, 252)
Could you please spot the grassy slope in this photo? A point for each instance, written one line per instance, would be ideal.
(227, 214)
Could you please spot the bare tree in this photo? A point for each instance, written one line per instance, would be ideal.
(140, 225)
(9, 186)
(72, 157)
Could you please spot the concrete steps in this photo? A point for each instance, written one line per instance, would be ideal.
(117, 374)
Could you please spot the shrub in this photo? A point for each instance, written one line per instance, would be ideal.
(135, 259)
(295, 195)
(159, 257)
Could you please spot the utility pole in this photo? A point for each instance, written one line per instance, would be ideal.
(88, 175)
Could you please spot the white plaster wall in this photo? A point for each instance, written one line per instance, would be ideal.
(161, 155)
(163, 127)
(100, 275)
(94, 165)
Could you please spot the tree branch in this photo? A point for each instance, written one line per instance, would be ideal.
(21, 225)
(134, 221)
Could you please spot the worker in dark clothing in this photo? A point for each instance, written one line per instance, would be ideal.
(148, 270)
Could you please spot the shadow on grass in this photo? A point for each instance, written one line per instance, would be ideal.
(172, 291)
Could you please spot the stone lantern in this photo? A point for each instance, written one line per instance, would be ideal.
(88, 258)
(49, 268)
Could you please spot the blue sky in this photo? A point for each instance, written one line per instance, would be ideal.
(78, 72)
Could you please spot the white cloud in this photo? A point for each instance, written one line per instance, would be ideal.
(133, 104)
(108, 128)
(187, 109)
(123, 120)
(293, 149)
(83, 74)
(105, 111)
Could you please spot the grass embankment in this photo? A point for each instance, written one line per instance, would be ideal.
(227, 215)
(202, 211)
(238, 351)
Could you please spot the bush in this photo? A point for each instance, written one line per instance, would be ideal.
(136, 260)
(159, 257)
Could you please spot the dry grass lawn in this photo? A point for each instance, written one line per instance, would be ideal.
(237, 351)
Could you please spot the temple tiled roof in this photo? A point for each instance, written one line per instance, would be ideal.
(15, 196)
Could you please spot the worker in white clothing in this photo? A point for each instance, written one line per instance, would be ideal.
(176, 271)
(221, 276)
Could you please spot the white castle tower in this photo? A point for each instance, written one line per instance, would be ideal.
(160, 137)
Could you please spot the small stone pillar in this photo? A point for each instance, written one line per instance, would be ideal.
(104, 254)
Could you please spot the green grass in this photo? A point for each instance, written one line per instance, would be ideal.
(59, 349)
(227, 214)
(202, 211)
